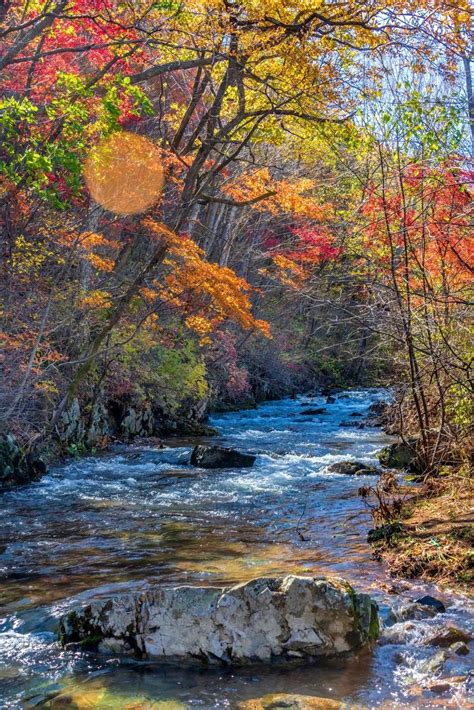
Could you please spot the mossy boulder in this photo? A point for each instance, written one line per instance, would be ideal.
(400, 455)
(447, 636)
(18, 466)
(353, 468)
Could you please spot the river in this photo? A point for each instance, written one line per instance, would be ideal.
(136, 516)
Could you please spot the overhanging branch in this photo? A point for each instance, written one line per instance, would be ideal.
(204, 199)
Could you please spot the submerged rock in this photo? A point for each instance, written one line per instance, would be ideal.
(97, 693)
(353, 468)
(329, 391)
(400, 633)
(411, 611)
(266, 618)
(434, 664)
(448, 683)
(460, 648)
(219, 457)
(438, 686)
(278, 701)
(314, 412)
(447, 636)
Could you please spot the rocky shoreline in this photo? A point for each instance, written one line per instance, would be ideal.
(85, 429)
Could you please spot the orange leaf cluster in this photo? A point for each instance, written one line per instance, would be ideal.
(195, 284)
(289, 196)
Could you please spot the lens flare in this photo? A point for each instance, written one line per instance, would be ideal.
(124, 173)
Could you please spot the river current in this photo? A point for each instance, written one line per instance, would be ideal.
(137, 516)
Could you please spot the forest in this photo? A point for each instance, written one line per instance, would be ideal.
(212, 206)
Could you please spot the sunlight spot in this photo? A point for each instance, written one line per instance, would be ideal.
(124, 173)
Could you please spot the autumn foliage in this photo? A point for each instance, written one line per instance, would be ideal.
(279, 220)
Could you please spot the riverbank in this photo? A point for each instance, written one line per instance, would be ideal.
(436, 535)
(424, 524)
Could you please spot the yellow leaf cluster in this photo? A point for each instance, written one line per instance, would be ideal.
(28, 258)
(95, 299)
(200, 325)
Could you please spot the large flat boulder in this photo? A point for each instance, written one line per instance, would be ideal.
(264, 619)
(220, 457)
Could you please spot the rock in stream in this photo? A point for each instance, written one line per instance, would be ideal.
(220, 457)
(286, 701)
(266, 618)
(353, 468)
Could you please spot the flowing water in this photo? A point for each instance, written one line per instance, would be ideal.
(137, 516)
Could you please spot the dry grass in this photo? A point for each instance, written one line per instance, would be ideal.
(437, 541)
